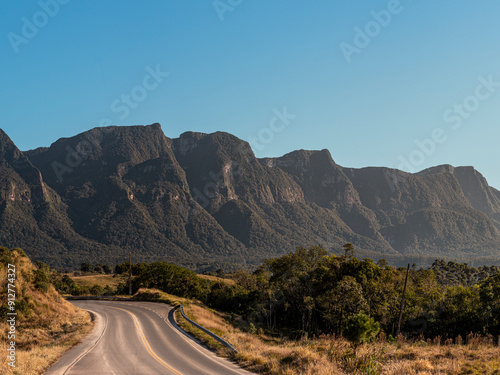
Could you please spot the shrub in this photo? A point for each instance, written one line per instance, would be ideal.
(86, 267)
(97, 290)
(42, 280)
(361, 328)
(20, 252)
(4, 310)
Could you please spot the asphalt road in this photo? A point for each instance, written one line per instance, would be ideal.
(138, 338)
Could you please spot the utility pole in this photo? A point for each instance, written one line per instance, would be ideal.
(130, 273)
(402, 302)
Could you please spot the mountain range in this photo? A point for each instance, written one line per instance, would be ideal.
(204, 201)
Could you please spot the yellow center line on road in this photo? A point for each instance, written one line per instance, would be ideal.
(146, 343)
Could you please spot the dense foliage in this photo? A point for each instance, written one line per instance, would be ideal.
(65, 285)
(311, 291)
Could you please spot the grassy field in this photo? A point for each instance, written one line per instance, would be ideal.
(89, 280)
(99, 279)
(218, 279)
(327, 355)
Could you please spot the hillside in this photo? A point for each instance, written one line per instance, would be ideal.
(34, 217)
(46, 324)
(205, 201)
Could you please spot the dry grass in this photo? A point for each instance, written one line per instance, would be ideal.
(229, 282)
(261, 353)
(437, 359)
(101, 280)
(47, 325)
(156, 295)
(327, 355)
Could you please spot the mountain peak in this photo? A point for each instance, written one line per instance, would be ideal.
(194, 135)
(444, 168)
(220, 144)
(122, 131)
(25, 181)
(303, 158)
(475, 188)
(8, 150)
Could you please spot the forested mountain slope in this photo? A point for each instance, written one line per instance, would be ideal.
(205, 201)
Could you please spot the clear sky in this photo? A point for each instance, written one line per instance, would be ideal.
(406, 84)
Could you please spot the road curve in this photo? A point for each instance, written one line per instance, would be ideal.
(138, 338)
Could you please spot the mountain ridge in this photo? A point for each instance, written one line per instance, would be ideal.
(204, 201)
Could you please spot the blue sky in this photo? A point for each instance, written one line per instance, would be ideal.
(417, 86)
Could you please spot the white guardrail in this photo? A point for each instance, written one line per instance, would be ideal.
(211, 334)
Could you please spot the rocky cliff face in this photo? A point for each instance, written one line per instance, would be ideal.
(205, 201)
(480, 195)
(21, 180)
(424, 213)
(128, 190)
(34, 216)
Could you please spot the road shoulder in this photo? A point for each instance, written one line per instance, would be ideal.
(73, 355)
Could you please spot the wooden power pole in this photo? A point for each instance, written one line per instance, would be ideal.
(402, 302)
(130, 273)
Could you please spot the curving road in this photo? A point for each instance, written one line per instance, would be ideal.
(138, 338)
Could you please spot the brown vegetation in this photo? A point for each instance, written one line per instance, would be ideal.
(103, 281)
(332, 355)
(47, 325)
(224, 281)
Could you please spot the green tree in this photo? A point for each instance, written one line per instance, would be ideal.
(97, 290)
(121, 268)
(361, 328)
(345, 300)
(348, 250)
(460, 312)
(489, 294)
(86, 267)
(292, 276)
